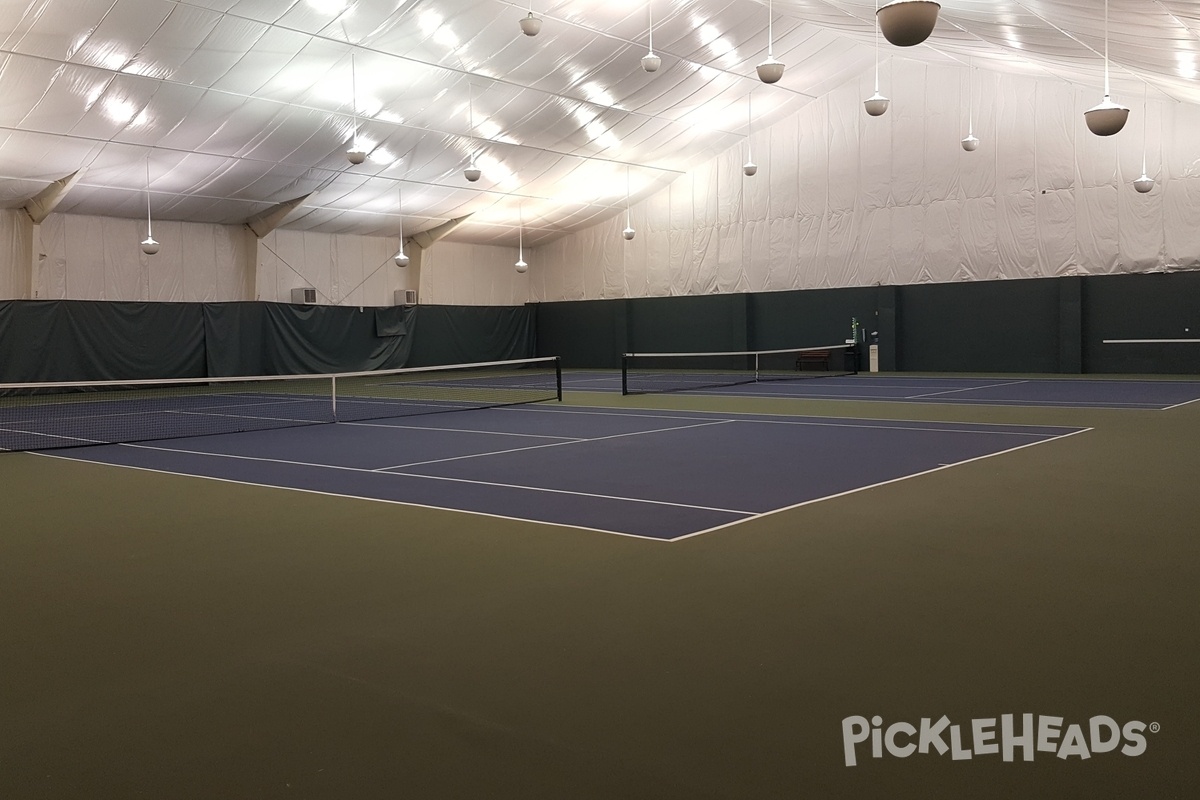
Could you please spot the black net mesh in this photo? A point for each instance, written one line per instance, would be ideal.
(48, 416)
(646, 373)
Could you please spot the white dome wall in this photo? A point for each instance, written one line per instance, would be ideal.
(83, 257)
(843, 199)
(16, 253)
(345, 269)
(459, 273)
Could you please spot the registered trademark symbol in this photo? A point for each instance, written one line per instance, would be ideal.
(1155, 727)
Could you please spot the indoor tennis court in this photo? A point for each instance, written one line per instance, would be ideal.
(639, 400)
(659, 475)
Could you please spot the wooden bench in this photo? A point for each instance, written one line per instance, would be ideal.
(817, 358)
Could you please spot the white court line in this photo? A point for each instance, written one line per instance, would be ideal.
(747, 515)
(875, 485)
(460, 430)
(552, 444)
(1181, 405)
(23, 432)
(432, 477)
(384, 500)
(602, 411)
(895, 427)
(965, 389)
(841, 398)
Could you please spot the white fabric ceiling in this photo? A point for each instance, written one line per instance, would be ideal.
(235, 106)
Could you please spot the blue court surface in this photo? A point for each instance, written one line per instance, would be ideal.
(655, 474)
(992, 391)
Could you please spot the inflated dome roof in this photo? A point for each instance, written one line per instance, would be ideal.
(236, 106)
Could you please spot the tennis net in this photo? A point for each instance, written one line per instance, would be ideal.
(42, 416)
(648, 373)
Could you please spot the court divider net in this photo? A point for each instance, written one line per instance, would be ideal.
(41, 416)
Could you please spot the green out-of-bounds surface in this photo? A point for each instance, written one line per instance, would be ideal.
(173, 637)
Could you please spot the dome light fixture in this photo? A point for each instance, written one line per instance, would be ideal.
(651, 62)
(472, 172)
(355, 154)
(906, 23)
(969, 142)
(771, 70)
(1145, 183)
(531, 25)
(401, 258)
(521, 265)
(149, 246)
(876, 105)
(749, 169)
(1107, 117)
(629, 232)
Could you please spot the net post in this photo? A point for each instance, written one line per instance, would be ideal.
(756, 367)
(333, 395)
(624, 374)
(558, 375)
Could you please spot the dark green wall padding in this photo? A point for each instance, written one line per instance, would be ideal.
(471, 334)
(63, 340)
(73, 340)
(1051, 325)
(1047, 325)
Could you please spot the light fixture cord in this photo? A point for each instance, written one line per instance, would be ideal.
(1106, 88)
(770, 30)
(1145, 139)
(354, 99)
(400, 208)
(149, 226)
(471, 113)
(650, 9)
(970, 100)
(876, 46)
(628, 219)
(521, 232)
(749, 126)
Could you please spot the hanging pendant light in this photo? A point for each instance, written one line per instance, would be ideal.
(905, 23)
(1145, 183)
(876, 105)
(770, 71)
(521, 265)
(149, 246)
(531, 25)
(355, 154)
(749, 168)
(651, 62)
(629, 232)
(400, 258)
(969, 143)
(1107, 117)
(472, 172)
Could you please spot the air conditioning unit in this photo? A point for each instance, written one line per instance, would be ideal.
(305, 296)
(406, 297)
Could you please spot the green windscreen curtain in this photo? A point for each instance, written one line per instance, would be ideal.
(83, 340)
(278, 339)
(76, 340)
(469, 334)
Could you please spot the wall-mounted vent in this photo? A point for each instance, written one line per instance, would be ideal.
(306, 296)
(406, 297)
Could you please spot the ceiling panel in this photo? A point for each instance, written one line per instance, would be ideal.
(241, 104)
